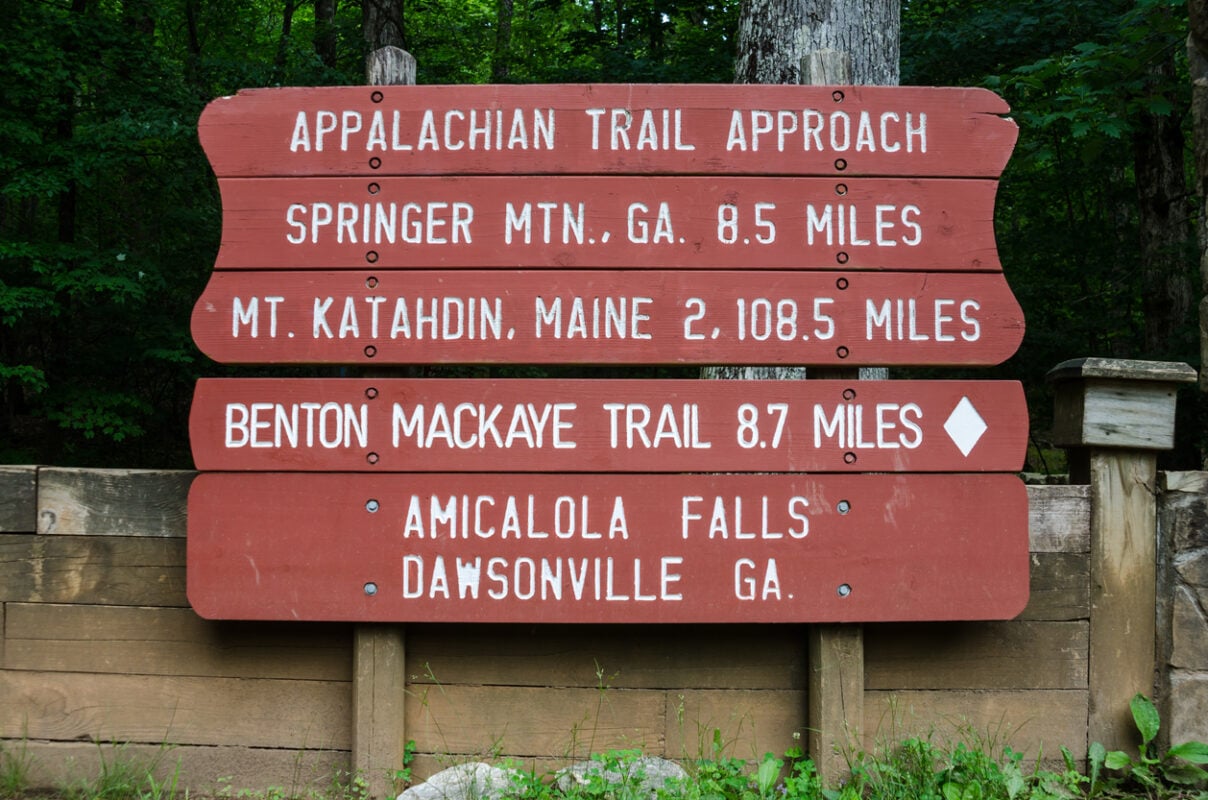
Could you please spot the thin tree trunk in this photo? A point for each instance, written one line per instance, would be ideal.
(501, 60)
(287, 25)
(325, 32)
(1197, 57)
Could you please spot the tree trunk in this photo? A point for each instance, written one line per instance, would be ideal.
(287, 25)
(1197, 57)
(776, 36)
(1162, 221)
(325, 32)
(382, 23)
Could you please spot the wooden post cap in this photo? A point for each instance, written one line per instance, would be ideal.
(1106, 402)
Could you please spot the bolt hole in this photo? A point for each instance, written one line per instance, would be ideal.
(371, 392)
(375, 163)
(844, 590)
(370, 351)
(376, 97)
(841, 257)
(371, 256)
(372, 506)
(837, 96)
(841, 189)
(849, 394)
(372, 458)
(840, 164)
(843, 507)
(849, 457)
(842, 284)
(371, 282)
(842, 351)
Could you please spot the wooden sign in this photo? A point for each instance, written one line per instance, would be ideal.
(608, 221)
(617, 548)
(596, 317)
(635, 129)
(479, 425)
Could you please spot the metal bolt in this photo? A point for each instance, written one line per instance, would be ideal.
(844, 590)
(371, 588)
(372, 506)
(843, 507)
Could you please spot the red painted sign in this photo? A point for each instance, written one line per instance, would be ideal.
(479, 425)
(596, 317)
(584, 129)
(609, 221)
(617, 548)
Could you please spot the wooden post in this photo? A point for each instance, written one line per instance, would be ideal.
(1115, 416)
(379, 652)
(835, 690)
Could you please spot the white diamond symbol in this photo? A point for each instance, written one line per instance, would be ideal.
(965, 426)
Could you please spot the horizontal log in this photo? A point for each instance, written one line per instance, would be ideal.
(1059, 519)
(94, 570)
(746, 723)
(205, 771)
(619, 657)
(994, 655)
(152, 709)
(637, 128)
(639, 222)
(617, 316)
(169, 641)
(112, 502)
(482, 721)
(18, 499)
(1036, 723)
(1060, 587)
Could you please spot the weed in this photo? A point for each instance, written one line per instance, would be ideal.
(15, 765)
(1157, 774)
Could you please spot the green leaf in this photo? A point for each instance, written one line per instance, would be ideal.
(1146, 717)
(1117, 759)
(1184, 774)
(1192, 752)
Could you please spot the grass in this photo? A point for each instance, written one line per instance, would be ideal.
(915, 769)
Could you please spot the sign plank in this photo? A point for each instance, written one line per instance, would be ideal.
(481, 425)
(636, 128)
(617, 548)
(608, 221)
(597, 317)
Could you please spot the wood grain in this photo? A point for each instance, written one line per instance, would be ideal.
(169, 641)
(1035, 723)
(79, 502)
(614, 656)
(175, 710)
(995, 655)
(94, 570)
(18, 499)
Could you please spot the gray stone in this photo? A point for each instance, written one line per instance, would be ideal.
(643, 776)
(1188, 708)
(1188, 632)
(1193, 569)
(473, 781)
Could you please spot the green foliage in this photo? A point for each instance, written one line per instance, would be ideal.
(1155, 773)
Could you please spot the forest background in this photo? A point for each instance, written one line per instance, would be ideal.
(110, 216)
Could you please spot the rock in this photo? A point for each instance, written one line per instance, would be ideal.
(473, 781)
(643, 775)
